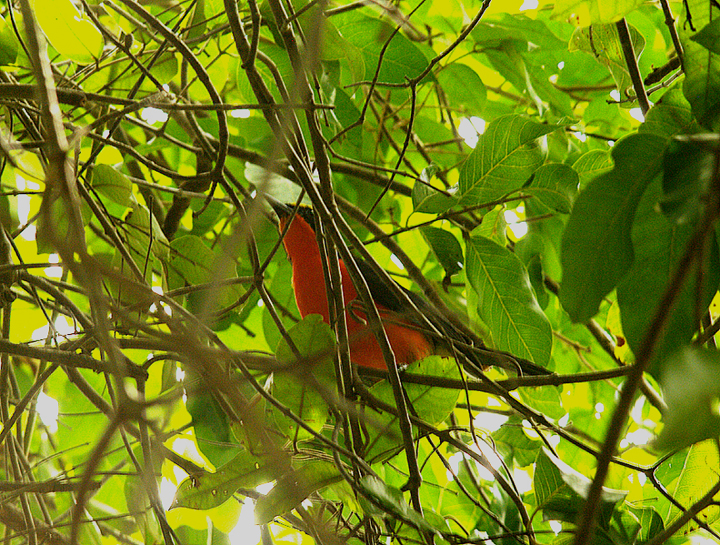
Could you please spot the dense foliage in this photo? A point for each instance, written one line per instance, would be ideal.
(549, 174)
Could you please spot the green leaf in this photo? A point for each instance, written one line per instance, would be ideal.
(427, 199)
(68, 31)
(111, 183)
(692, 394)
(658, 246)
(587, 12)
(689, 171)
(592, 164)
(211, 489)
(670, 116)
(390, 500)
(596, 247)
(560, 490)
(555, 185)
(506, 302)
(429, 403)
(8, 44)
(446, 248)
(336, 47)
(143, 234)
(210, 423)
(651, 523)
(293, 487)
(505, 157)
(297, 388)
(686, 478)
(402, 59)
(463, 87)
(281, 287)
(190, 262)
(702, 66)
(603, 42)
(523, 449)
(709, 37)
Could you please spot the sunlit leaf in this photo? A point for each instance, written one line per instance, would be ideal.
(401, 59)
(587, 12)
(68, 30)
(506, 301)
(505, 157)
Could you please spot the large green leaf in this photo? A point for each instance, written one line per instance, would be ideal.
(463, 87)
(685, 475)
(211, 489)
(297, 387)
(68, 31)
(692, 393)
(293, 487)
(111, 183)
(8, 44)
(670, 116)
(597, 248)
(555, 185)
(505, 157)
(446, 248)
(709, 37)
(603, 42)
(702, 65)
(212, 429)
(659, 245)
(401, 60)
(560, 490)
(506, 301)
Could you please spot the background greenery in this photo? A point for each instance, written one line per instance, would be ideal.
(550, 173)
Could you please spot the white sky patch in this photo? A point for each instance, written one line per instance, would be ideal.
(637, 411)
(518, 227)
(167, 492)
(153, 115)
(470, 128)
(485, 450)
(580, 136)
(54, 272)
(639, 437)
(529, 4)
(636, 113)
(701, 539)
(246, 532)
(564, 420)
(265, 488)
(397, 262)
(62, 325)
(555, 526)
(561, 65)
(242, 113)
(615, 95)
(48, 409)
(23, 206)
(186, 447)
(523, 481)
(490, 421)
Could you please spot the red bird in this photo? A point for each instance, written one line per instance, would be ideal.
(407, 341)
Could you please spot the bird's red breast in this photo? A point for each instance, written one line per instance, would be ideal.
(408, 344)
